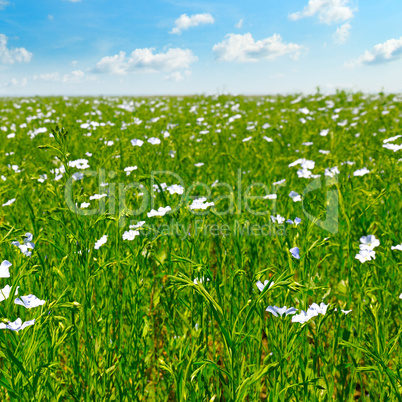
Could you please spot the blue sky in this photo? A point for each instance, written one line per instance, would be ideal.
(96, 47)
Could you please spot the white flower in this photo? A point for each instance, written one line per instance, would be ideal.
(312, 311)
(130, 169)
(154, 141)
(279, 182)
(130, 235)
(247, 139)
(42, 178)
(200, 203)
(268, 139)
(5, 292)
(365, 255)
(199, 164)
(76, 176)
(304, 316)
(175, 189)
(30, 301)
(79, 164)
(331, 172)
(8, 203)
(85, 205)
(28, 245)
(296, 222)
(324, 133)
(304, 173)
(295, 252)
(97, 196)
(361, 172)
(279, 219)
(321, 309)
(346, 311)
(136, 143)
(101, 242)
(17, 325)
(261, 286)
(280, 310)
(4, 269)
(398, 247)
(368, 242)
(201, 280)
(270, 197)
(393, 147)
(392, 139)
(138, 225)
(160, 212)
(294, 196)
(304, 163)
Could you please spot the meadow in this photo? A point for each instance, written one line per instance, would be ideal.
(205, 248)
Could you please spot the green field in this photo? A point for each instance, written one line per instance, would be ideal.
(174, 308)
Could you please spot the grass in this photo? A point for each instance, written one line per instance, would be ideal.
(128, 322)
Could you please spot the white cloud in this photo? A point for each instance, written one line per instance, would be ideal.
(184, 22)
(4, 4)
(145, 60)
(243, 48)
(328, 11)
(116, 64)
(11, 56)
(342, 33)
(22, 83)
(75, 77)
(177, 76)
(47, 77)
(239, 24)
(385, 52)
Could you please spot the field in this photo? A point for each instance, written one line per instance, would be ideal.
(138, 301)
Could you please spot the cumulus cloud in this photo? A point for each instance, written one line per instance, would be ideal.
(185, 22)
(342, 33)
(116, 64)
(328, 11)
(75, 77)
(385, 52)
(243, 48)
(145, 60)
(11, 56)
